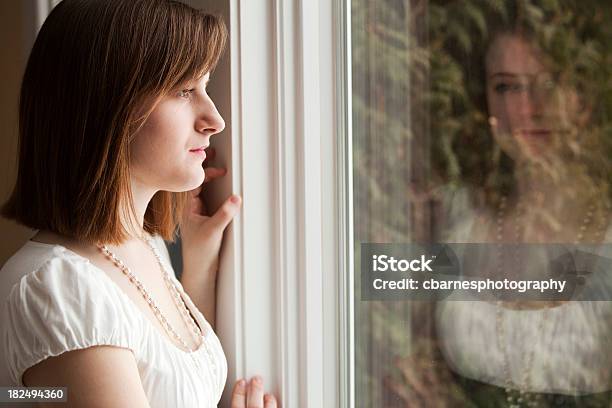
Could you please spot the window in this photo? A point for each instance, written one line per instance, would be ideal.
(483, 122)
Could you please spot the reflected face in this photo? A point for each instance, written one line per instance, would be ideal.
(167, 152)
(527, 108)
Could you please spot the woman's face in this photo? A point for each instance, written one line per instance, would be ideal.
(167, 152)
(528, 110)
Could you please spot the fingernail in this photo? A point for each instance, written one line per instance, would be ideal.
(257, 380)
(235, 199)
(242, 384)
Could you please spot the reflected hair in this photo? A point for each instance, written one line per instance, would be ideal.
(95, 73)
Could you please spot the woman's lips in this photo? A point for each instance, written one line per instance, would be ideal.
(536, 133)
(535, 140)
(200, 152)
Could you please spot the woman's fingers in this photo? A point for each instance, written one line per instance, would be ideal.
(251, 395)
(239, 394)
(212, 173)
(269, 401)
(255, 393)
(226, 212)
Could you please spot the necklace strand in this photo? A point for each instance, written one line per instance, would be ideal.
(513, 398)
(516, 398)
(179, 294)
(178, 300)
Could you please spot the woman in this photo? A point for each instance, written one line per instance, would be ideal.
(114, 126)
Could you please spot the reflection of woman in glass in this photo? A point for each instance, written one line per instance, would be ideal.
(540, 122)
(550, 182)
(537, 352)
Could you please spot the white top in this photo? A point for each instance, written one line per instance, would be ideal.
(564, 350)
(57, 301)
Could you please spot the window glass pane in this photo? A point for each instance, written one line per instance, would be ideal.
(485, 122)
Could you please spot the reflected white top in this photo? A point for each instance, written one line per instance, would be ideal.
(57, 301)
(571, 353)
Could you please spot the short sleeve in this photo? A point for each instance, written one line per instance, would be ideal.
(67, 304)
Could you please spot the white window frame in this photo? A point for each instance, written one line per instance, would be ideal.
(286, 273)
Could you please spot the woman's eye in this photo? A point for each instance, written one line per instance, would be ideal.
(504, 87)
(501, 88)
(186, 93)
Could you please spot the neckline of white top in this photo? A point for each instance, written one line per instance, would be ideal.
(188, 303)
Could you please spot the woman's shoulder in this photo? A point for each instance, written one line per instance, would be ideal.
(462, 219)
(53, 277)
(39, 262)
(57, 269)
(29, 259)
(63, 304)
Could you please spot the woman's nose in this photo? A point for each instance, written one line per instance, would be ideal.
(209, 120)
(533, 103)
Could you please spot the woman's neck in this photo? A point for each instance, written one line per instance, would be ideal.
(142, 194)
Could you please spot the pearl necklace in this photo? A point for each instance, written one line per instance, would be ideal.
(178, 301)
(516, 398)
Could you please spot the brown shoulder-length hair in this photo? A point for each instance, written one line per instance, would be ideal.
(95, 73)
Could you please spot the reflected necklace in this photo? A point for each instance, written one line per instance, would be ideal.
(516, 398)
(178, 301)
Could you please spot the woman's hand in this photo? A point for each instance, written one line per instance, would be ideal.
(201, 233)
(251, 395)
(201, 237)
